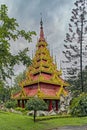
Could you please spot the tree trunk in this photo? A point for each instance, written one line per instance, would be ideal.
(34, 115)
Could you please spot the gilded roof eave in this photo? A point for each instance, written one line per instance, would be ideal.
(42, 95)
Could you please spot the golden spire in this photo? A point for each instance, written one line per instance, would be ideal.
(41, 31)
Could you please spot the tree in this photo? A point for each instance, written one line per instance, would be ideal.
(79, 106)
(75, 43)
(75, 87)
(36, 104)
(21, 76)
(4, 92)
(9, 30)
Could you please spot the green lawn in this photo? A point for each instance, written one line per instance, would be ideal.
(10, 121)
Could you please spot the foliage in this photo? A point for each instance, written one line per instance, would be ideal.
(75, 86)
(10, 121)
(23, 110)
(25, 59)
(79, 106)
(75, 47)
(36, 104)
(11, 104)
(20, 109)
(9, 31)
(4, 92)
(21, 76)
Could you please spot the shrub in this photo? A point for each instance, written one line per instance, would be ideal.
(20, 109)
(1, 102)
(79, 106)
(10, 104)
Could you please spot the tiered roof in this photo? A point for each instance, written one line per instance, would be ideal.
(43, 72)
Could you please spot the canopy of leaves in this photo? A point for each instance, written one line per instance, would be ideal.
(9, 32)
(79, 106)
(4, 92)
(36, 104)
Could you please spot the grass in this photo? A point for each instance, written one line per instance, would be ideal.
(10, 121)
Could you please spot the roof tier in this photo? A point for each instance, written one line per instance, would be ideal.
(43, 69)
(45, 91)
(42, 77)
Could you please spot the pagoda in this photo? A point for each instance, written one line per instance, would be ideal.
(43, 80)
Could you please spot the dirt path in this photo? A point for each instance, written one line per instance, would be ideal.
(72, 128)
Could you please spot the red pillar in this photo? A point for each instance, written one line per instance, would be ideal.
(56, 105)
(22, 103)
(19, 103)
(50, 105)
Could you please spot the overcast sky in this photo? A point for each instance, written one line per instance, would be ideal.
(55, 14)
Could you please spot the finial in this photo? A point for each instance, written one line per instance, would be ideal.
(41, 30)
(41, 22)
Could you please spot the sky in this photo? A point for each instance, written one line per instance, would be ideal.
(55, 14)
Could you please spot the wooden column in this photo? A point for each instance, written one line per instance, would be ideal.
(57, 105)
(50, 105)
(19, 103)
(22, 103)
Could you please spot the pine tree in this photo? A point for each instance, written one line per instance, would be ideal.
(75, 47)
